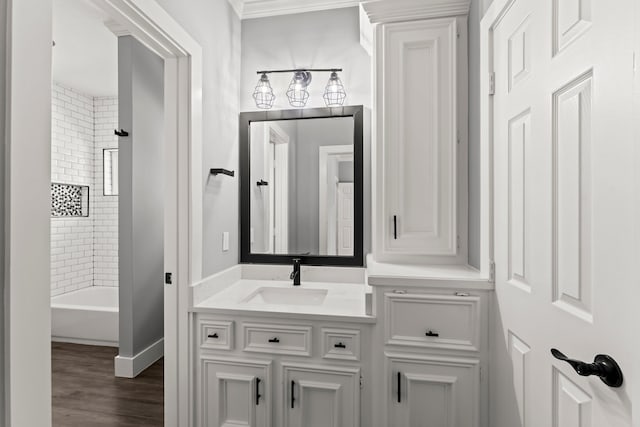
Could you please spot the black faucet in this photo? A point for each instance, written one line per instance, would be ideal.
(295, 274)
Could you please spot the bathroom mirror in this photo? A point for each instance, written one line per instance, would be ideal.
(110, 171)
(301, 181)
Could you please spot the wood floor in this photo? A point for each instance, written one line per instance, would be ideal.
(86, 394)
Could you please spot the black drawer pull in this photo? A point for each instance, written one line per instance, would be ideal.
(399, 387)
(395, 227)
(258, 396)
(214, 335)
(340, 345)
(293, 399)
(274, 339)
(432, 334)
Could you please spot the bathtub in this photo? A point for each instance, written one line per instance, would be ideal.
(86, 316)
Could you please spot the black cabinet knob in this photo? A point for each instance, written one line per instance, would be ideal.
(603, 366)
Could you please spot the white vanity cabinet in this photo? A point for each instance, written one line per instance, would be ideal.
(320, 396)
(433, 391)
(236, 392)
(290, 372)
(420, 150)
(434, 344)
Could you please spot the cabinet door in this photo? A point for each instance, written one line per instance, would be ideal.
(236, 393)
(434, 392)
(320, 396)
(416, 147)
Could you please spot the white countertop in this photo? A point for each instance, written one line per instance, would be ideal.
(436, 276)
(344, 301)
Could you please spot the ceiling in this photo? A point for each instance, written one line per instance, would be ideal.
(85, 56)
(247, 9)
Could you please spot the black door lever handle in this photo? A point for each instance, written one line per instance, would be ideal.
(603, 366)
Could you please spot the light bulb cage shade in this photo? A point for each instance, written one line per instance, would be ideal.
(263, 94)
(334, 94)
(297, 92)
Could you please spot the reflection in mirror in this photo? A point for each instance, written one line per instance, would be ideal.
(302, 178)
(110, 171)
(301, 186)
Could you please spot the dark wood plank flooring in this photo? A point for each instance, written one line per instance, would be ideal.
(86, 394)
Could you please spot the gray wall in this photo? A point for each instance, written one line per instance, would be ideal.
(323, 39)
(216, 27)
(141, 202)
(3, 101)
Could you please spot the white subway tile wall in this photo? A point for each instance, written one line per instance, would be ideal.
(105, 223)
(84, 251)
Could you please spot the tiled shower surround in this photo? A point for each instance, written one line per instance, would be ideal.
(84, 250)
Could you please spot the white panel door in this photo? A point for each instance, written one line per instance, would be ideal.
(416, 148)
(432, 392)
(321, 396)
(563, 210)
(236, 393)
(345, 218)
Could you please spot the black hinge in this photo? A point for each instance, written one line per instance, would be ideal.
(168, 278)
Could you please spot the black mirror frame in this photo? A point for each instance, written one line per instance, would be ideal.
(246, 118)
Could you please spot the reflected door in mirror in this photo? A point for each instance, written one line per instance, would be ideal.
(302, 172)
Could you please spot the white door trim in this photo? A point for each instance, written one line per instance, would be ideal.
(274, 137)
(27, 352)
(325, 153)
(636, 113)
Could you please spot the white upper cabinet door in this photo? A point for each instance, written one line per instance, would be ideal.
(321, 396)
(416, 144)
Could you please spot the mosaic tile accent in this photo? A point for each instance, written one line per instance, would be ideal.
(68, 200)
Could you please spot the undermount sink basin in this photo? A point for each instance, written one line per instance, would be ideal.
(286, 296)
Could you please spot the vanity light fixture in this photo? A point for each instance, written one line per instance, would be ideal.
(263, 94)
(334, 93)
(297, 92)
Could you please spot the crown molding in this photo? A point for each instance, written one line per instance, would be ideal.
(380, 11)
(237, 6)
(117, 28)
(250, 9)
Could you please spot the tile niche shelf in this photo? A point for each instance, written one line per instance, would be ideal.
(69, 200)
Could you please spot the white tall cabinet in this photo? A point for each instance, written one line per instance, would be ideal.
(420, 149)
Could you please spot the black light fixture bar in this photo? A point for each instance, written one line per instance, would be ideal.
(319, 70)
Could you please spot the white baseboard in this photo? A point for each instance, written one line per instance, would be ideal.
(130, 367)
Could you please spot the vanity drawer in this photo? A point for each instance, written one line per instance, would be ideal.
(215, 334)
(342, 344)
(277, 339)
(432, 321)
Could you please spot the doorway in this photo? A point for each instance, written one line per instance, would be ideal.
(29, 131)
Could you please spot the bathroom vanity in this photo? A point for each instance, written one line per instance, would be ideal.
(270, 354)
(379, 346)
